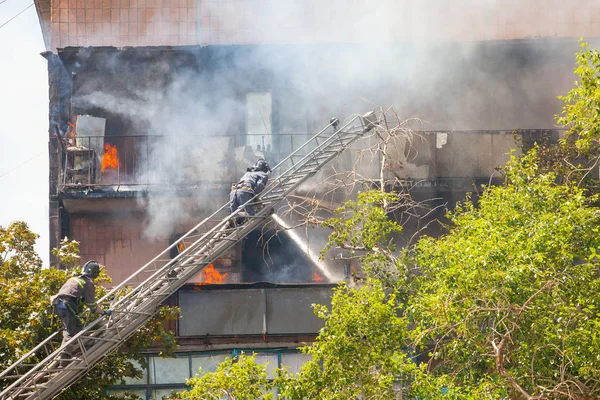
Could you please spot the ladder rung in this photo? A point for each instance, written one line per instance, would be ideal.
(100, 338)
(202, 246)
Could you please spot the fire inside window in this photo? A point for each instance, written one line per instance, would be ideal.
(258, 121)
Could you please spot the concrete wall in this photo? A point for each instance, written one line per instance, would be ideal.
(120, 242)
(115, 241)
(186, 22)
(473, 154)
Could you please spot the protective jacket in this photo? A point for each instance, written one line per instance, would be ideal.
(80, 287)
(251, 184)
(253, 181)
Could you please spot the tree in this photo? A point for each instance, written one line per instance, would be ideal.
(506, 304)
(26, 317)
(576, 156)
(581, 110)
(239, 378)
(509, 297)
(360, 353)
(25, 294)
(363, 229)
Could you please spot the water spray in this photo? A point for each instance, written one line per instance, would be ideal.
(303, 245)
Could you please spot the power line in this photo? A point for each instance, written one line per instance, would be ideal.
(3, 1)
(26, 8)
(20, 165)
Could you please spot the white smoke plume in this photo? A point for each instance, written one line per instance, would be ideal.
(325, 59)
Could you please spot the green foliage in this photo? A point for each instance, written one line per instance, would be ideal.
(510, 295)
(67, 253)
(238, 378)
(25, 293)
(581, 112)
(505, 305)
(360, 353)
(363, 228)
(26, 316)
(363, 224)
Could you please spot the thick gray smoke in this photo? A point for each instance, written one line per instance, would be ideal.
(186, 145)
(347, 57)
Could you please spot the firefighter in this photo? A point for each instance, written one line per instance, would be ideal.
(251, 184)
(77, 289)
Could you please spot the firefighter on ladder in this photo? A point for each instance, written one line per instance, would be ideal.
(250, 185)
(78, 288)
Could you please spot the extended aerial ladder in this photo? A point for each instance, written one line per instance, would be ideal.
(138, 298)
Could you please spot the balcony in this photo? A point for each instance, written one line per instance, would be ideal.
(139, 163)
(108, 165)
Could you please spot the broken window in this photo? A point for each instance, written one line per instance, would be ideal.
(259, 121)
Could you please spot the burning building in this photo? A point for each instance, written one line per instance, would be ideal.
(157, 106)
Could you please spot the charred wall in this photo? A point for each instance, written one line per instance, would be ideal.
(115, 241)
(486, 85)
(112, 231)
(201, 93)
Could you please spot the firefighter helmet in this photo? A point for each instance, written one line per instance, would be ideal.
(91, 269)
(261, 165)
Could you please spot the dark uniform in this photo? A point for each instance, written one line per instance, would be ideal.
(66, 301)
(251, 184)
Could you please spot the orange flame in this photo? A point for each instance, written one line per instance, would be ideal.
(110, 158)
(180, 247)
(317, 277)
(211, 275)
(71, 130)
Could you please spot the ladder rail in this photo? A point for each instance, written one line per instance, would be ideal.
(116, 290)
(297, 165)
(97, 353)
(314, 138)
(211, 239)
(269, 189)
(129, 297)
(31, 353)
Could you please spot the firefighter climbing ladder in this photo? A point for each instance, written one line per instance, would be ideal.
(37, 375)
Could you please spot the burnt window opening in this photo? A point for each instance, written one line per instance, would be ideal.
(259, 122)
(270, 256)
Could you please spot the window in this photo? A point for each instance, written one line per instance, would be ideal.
(259, 121)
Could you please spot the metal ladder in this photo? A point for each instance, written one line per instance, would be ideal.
(138, 298)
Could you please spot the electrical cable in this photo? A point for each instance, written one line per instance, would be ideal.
(3, 1)
(20, 165)
(26, 8)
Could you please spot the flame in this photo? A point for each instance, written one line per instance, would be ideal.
(71, 130)
(110, 158)
(317, 277)
(211, 275)
(181, 247)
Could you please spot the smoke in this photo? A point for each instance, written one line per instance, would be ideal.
(324, 59)
(183, 128)
(286, 256)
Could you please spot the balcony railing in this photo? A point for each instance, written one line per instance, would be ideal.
(142, 161)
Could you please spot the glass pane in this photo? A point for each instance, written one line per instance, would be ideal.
(294, 361)
(142, 380)
(268, 358)
(169, 370)
(258, 122)
(207, 363)
(120, 393)
(159, 394)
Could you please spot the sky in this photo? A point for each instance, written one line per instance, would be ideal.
(23, 122)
